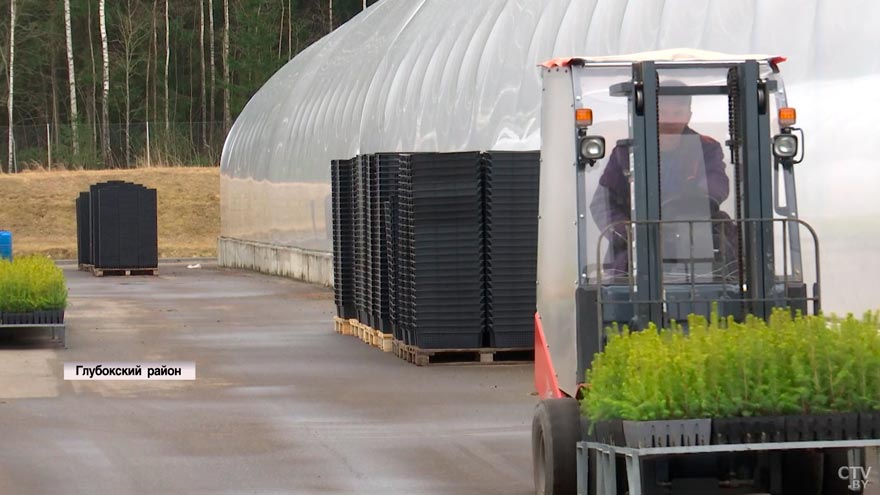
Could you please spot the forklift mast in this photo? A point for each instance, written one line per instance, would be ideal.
(667, 188)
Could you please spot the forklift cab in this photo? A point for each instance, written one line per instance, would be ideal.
(667, 188)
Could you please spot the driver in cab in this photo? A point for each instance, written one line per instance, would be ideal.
(691, 166)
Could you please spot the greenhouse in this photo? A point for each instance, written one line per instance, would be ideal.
(447, 75)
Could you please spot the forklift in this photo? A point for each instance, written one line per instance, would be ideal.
(667, 189)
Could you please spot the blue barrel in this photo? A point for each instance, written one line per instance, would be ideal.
(5, 244)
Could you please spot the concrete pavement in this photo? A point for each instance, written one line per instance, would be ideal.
(281, 404)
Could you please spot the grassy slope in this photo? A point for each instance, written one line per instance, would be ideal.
(39, 208)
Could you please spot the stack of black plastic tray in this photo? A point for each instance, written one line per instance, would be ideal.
(443, 223)
(402, 220)
(83, 230)
(511, 240)
(359, 238)
(386, 166)
(123, 226)
(343, 238)
(369, 185)
(392, 261)
(438, 249)
(372, 229)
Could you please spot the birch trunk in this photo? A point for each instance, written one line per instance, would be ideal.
(331, 16)
(105, 92)
(71, 75)
(127, 117)
(147, 72)
(94, 79)
(226, 113)
(10, 164)
(55, 126)
(204, 103)
(212, 104)
(167, 62)
(155, 47)
(281, 32)
(129, 40)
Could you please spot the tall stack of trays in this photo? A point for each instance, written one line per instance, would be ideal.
(402, 252)
(511, 240)
(441, 202)
(367, 219)
(83, 229)
(343, 238)
(385, 166)
(359, 240)
(372, 240)
(438, 249)
(392, 265)
(122, 226)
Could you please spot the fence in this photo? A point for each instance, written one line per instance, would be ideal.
(137, 144)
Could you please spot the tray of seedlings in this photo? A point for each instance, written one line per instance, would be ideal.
(33, 294)
(791, 378)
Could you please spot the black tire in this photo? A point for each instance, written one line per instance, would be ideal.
(555, 433)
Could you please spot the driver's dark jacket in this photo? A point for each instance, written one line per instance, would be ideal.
(611, 202)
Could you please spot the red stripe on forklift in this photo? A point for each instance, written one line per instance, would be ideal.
(546, 382)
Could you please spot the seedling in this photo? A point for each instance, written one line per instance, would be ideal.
(790, 364)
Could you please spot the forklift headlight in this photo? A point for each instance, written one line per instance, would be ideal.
(785, 145)
(592, 147)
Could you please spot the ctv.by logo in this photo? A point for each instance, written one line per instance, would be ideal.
(857, 476)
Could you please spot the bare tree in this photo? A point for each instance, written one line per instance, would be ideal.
(167, 62)
(10, 165)
(204, 104)
(281, 31)
(71, 76)
(105, 93)
(94, 79)
(226, 82)
(331, 16)
(211, 89)
(133, 34)
(56, 126)
(149, 68)
(289, 29)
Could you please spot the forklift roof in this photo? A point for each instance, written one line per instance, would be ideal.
(671, 55)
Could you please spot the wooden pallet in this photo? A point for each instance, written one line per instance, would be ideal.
(485, 355)
(353, 326)
(365, 333)
(341, 326)
(125, 272)
(360, 330)
(383, 341)
(424, 357)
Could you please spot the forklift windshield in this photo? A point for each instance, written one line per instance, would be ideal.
(694, 185)
(684, 209)
(695, 188)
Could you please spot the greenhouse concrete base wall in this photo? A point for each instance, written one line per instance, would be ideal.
(301, 264)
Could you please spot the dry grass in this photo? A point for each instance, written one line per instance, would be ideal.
(40, 210)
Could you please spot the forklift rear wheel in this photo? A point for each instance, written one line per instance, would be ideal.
(555, 433)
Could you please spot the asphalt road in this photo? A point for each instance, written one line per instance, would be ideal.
(281, 404)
